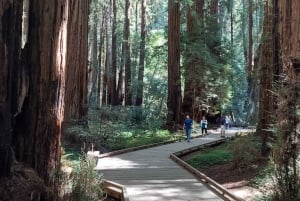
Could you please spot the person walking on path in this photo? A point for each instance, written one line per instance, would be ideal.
(203, 125)
(188, 122)
(222, 123)
(227, 122)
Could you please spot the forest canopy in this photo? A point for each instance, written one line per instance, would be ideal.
(117, 68)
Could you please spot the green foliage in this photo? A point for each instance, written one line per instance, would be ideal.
(86, 182)
(244, 151)
(209, 157)
(286, 150)
(265, 176)
(263, 198)
(141, 137)
(115, 128)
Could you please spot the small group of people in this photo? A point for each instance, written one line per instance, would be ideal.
(225, 123)
(188, 122)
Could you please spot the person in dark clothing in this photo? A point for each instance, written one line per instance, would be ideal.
(188, 122)
(222, 124)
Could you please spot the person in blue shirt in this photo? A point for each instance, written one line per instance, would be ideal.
(188, 122)
(203, 125)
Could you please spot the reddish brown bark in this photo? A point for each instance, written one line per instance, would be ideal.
(38, 131)
(266, 102)
(76, 71)
(174, 84)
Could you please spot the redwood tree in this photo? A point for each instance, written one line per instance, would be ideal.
(11, 76)
(140, 87)
(194, 68)
(38, 127)
(76, 64)
(266, 100)
(174, 84)
(127, 60)
(286, 153)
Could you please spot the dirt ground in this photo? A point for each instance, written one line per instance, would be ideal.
(237, 180)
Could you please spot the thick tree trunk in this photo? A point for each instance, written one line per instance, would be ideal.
(11, 74)
(174, 84)
(288, 122)
(38, 130)
(266, 102)
(77, 53)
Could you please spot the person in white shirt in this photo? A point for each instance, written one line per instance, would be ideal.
(203, 125)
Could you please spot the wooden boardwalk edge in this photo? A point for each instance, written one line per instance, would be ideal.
(219, 189)
(115, 190)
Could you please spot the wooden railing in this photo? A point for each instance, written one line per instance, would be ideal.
(219, 189)
(115, 190)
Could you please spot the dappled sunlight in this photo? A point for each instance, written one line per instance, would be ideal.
(115, 163)
(150, 174)
(174, 190)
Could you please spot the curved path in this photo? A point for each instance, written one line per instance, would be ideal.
(150, 174)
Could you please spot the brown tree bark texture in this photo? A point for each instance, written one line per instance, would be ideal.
(266, 99)
(77, 54)
(127, 60)
(37, 136)
(289, 28)
(174, 84)
(140, 87)
(10, 51)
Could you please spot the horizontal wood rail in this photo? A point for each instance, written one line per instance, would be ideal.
(201, 176)
(115, 190)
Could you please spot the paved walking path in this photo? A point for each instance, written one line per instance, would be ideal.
(150, 174)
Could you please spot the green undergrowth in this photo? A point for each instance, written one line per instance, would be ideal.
(212, 156)
(131, 139)
(242, 151)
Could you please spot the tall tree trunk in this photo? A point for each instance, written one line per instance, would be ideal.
(94, 65)
(140, 87)
(113, 73)
(107, 63)
(194, 69)
(100, 60)
(38, 130)
(127, 59)
(76, 71)
(266, 101)
(286, 153)
(250, 37)
(174, 84)
(11, 74)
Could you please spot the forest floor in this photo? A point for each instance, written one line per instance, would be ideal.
(238, 180)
